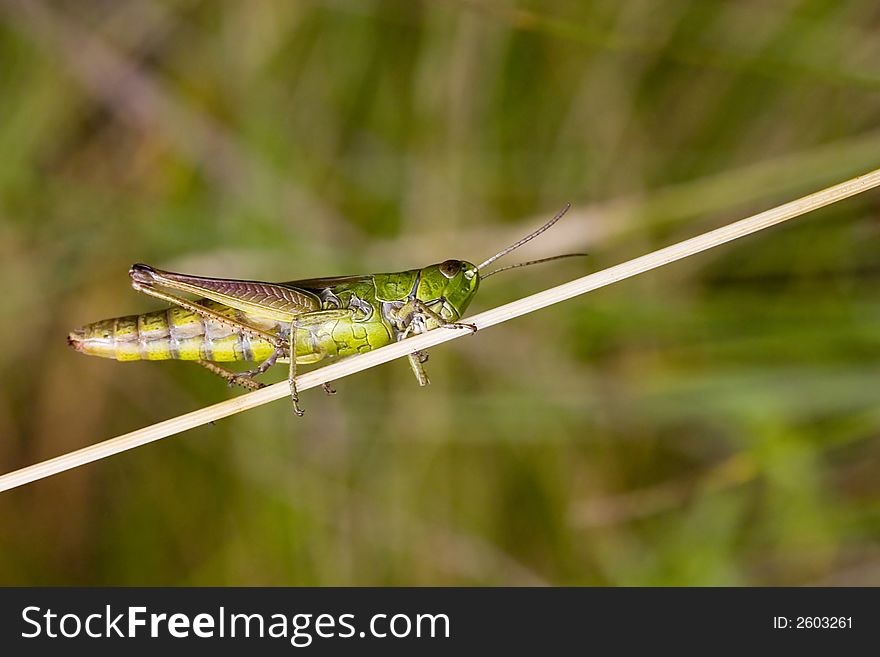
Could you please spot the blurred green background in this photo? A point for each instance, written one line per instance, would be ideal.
(712, 422)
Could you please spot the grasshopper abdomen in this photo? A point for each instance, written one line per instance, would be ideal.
(173, 334)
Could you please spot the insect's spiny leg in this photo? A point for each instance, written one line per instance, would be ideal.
(291, 373)
(232, 378)
(328, 388)
(417, 359)
(266, 364)
(424, 309)
(418, 368)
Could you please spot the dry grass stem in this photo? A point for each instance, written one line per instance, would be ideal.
(483, 320)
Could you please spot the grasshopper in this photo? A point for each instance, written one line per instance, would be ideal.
(298, 322)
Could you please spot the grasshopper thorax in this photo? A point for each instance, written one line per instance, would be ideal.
(456, 281)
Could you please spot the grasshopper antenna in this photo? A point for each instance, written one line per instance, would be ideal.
(533, 262)
(527, 238)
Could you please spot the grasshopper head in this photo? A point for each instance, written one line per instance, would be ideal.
(454, 280)
(457, 281)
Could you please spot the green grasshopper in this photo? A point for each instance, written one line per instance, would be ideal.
(299, 322)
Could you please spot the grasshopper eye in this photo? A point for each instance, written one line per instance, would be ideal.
(450, 268)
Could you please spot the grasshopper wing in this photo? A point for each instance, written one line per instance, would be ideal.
(279, 301)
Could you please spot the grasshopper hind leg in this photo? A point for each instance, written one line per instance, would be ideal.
(244, 380)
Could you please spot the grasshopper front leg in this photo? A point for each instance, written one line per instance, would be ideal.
(416, 323)
(417, 361)
(424, 309)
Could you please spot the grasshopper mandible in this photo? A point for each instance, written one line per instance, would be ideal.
(298, 322)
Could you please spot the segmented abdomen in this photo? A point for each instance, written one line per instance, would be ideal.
(175, 333)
